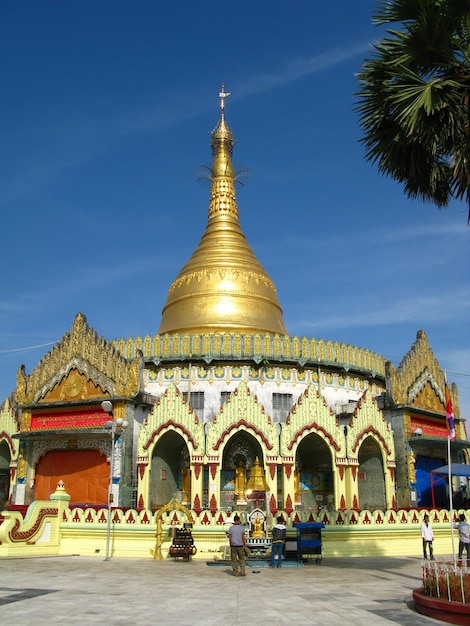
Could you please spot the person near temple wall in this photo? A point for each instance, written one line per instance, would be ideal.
(464, 537)
(428, 537)
(278, 540)
(237, 538)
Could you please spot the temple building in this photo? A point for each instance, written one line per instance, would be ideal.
(224, 409)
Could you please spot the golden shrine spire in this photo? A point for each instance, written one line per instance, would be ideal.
(222, 287)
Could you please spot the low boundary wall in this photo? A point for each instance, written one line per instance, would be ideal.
(50, 527)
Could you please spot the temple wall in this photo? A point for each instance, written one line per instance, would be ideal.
(342, 429)
(337, 388)
(133, 533)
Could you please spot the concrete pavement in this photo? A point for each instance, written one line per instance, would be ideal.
(84, 590)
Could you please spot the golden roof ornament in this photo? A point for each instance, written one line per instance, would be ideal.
(223, 287)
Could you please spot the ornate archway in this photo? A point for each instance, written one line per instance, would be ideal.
(170, 472)
(241, 454)
(371, 478)
(314, 481)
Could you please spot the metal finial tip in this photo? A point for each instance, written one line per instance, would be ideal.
(222, 95)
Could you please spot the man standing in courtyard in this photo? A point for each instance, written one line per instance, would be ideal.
(428, 537)
(464, 537)
(236, 534)
(279, 537)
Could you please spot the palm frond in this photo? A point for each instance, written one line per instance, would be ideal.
(414, 95)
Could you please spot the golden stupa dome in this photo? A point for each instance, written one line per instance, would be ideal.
(222, 287)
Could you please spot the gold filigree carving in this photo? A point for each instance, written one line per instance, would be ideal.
(287, 346)
(418, 362)
(227, 344)
(186, 345)
(131, 377)
(21, 468)
(80, 357)
(411, 466)
(211, 274)
(254, 345)
(237, 344)
(21, 384)
(73, 386)
(206, 343)
(305, 347)
(26, 419)
(147, 346)
(428, 399)
(296, 347)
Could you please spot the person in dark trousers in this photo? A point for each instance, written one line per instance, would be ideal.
(428, 537)
(237, 538)
(464, 537)
(278, 540)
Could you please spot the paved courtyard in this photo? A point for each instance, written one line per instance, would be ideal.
(83, 590)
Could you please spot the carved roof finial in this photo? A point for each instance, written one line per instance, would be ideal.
(222, 95)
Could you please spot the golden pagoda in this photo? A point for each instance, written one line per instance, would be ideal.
(257, 480)
(222, 287)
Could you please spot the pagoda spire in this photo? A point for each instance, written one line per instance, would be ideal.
(222, 287)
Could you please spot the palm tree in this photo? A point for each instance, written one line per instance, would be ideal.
(414, 98)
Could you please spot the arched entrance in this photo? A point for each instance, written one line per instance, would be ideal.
(314, 484)
(241, 454)
(371, 485)
(170, 472)
(5, 458)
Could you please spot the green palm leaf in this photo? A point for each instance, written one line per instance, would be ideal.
(414, 98)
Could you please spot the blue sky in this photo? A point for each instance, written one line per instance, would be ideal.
(107, 108)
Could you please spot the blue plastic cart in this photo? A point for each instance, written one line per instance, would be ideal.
(309, 541)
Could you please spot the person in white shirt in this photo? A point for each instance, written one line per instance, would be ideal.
(428, 537)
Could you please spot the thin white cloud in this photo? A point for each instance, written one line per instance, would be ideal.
(81, 137)
(350, 240)
(26, 348)
(420, 230)
(84, 281)
(419, 310)
(296, 69)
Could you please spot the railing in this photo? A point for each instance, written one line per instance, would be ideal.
(256, 347)
(447, 581)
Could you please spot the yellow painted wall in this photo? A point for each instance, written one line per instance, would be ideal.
(133, 534)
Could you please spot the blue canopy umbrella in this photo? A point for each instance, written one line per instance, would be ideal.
(455, 469)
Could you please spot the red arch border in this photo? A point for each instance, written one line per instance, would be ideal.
(248, 426)
(166, 425)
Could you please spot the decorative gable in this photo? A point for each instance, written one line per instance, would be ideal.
(428, 398)
(76, 385)
(419, 378)
(311, 414)
(81, 366)
(242, 411)
(171, 412)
